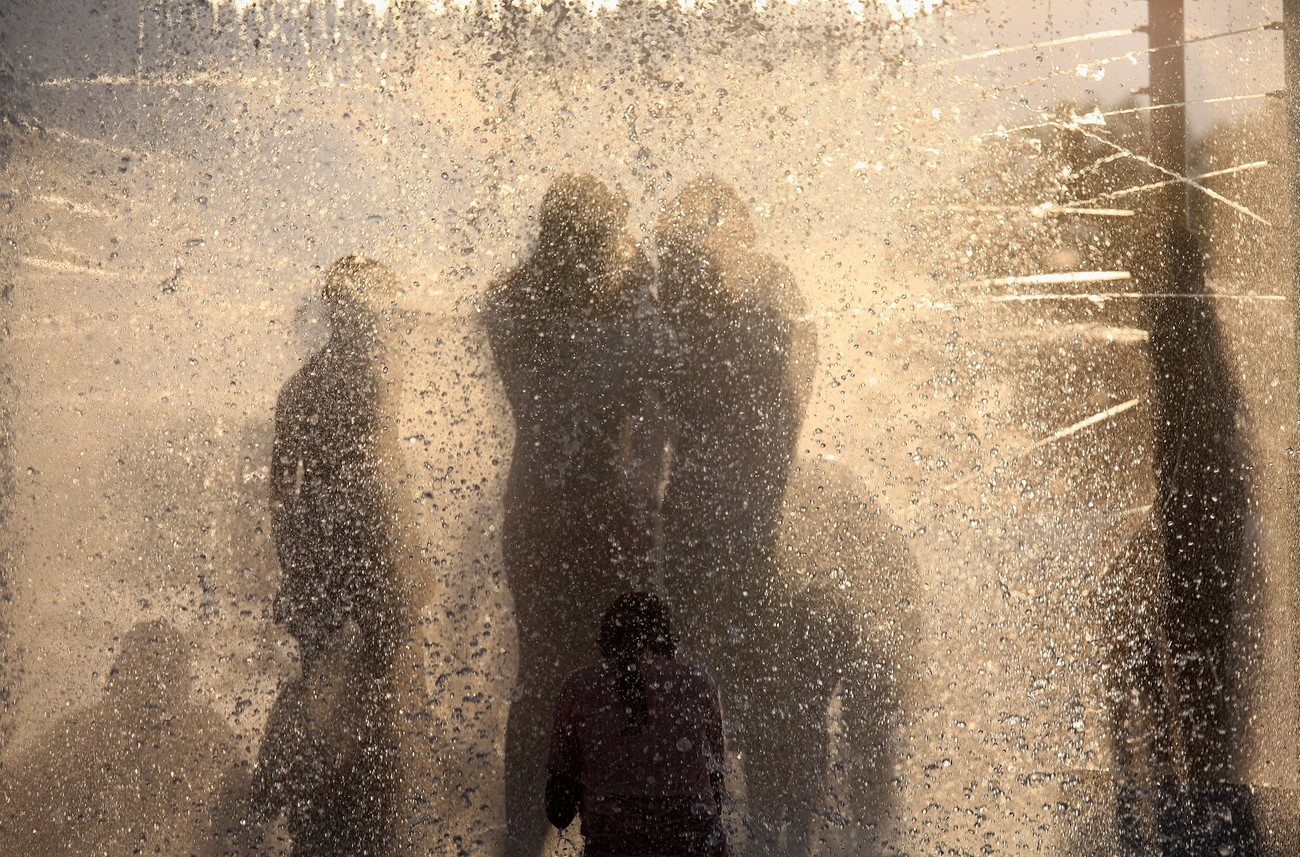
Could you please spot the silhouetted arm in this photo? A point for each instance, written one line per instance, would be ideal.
(564, 771)
(286, 458)
(785, 308)
(511, 334)
(716, 744)
(562, 798)
(802, 368)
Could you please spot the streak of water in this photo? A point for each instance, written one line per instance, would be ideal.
(1174, 175)
(1057, 278)
(1253, 165)
(1100, 416)
(63, 267)
(206, 79)
(1029, 46)
(1058, 435)
(1090, 37)
(1102, 297)
(1043, 209)
(63, 202)
(1103, 114)
(1078, 128)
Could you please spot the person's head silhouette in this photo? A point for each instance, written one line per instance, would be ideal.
(700, 235)
(580, 215)
(357, 292)
(635, 625)
(580, 243)
(150, 678)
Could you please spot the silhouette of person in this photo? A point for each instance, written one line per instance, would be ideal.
(1173, 692)
(637, 744)
(329, 760)
(142, 771)
(571, 349)
(1203, 494)
(737, 384)
(331, 514)
(848, 587)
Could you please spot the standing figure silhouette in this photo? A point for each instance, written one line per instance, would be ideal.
(571, 349)
(329, 760)
(1178, 591)
(736, 388)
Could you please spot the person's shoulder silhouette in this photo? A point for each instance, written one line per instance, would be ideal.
(144, 768)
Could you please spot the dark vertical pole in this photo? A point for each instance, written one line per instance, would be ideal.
(1147, 738)
(1202, 498)
(1291, 51)
(1291, 54)
(1168, 86)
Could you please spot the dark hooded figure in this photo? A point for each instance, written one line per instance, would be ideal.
(571, 346)
(637, 744)
(737, 384)
(330, 758)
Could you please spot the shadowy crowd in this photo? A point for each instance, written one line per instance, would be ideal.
(657, 410)
(657, 406)
(657, 394)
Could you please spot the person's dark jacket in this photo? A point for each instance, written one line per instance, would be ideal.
(654, 788)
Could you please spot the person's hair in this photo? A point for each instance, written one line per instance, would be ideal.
(703, 236)
(580, 212)
(635, 624)
(577, 259)
(358, 279)
(706, 209)
(355, 289)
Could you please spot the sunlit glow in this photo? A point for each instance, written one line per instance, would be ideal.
(1093, 117)
(898, 10)
(901, 9)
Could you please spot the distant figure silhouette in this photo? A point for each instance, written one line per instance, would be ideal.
(142, 771)
(737, 385)
(572, 352)
(329, 760)
(331, 516)
(847, 598)
(1177, 722)
(637, 744)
